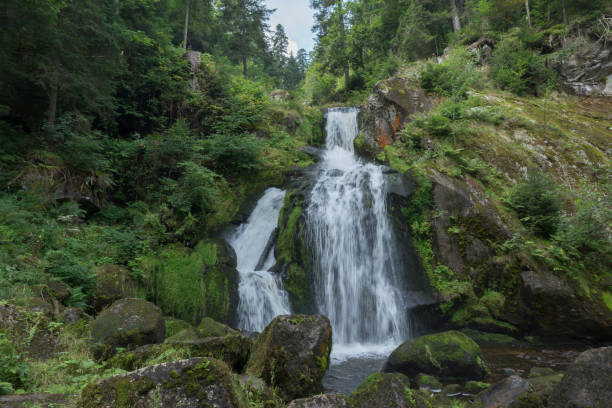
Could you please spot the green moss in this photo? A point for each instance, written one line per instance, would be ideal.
(607, 298)
(175, 326)
(191, 284)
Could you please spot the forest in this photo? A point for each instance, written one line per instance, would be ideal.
(136, 135)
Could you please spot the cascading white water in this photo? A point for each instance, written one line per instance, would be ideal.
(357, 269)
(262, 297)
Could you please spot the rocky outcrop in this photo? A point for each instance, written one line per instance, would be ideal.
(463, 208)
(384, 390)
(388, 109)
(555, 308)
(192, 383)
(449, 355)
(504, 393)
(321, 401)
(292, 354)
(587, 382)
(129, 323)
(588, 71)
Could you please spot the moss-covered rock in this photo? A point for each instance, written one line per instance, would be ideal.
(191, 284)
(384, 390)
(129, 323)
(113, 282)
(489, 339)
(447, 355)
(475, 387)
(291, 252)
(292, 354)
(194, 383)
(233, 349)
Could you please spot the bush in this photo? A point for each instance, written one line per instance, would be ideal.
(537, 202)
(452, 78)
(13, 371)
(518, 69)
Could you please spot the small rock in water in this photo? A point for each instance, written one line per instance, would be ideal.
(508, 372)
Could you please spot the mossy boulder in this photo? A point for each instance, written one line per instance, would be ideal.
(292, 354)
(384, 390)
(587, 381)
(191, 284)
(113, 282)
(129, 323)
(447, 355)
(193, 383)
(233, 349)
(321, 401)
(20, 323)
(475, 387)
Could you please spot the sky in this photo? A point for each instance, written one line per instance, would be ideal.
(297, 18)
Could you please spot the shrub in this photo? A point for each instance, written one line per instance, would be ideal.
(13, 371)
(518, 69)
(452, 78)
(537, 202)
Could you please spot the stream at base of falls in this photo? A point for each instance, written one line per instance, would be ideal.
(361, 282)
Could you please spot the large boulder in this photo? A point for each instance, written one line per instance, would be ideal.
(191, 383)
(113, 282)
(292, 354)
(504, 393)
(447, 355)
(557, 310)
(321, 401)
(383, 390)
(587, 382)
(390, 106)
(129, 323)
(233, 349)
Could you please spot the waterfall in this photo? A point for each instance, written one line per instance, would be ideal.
(262, 297)
(357, 266)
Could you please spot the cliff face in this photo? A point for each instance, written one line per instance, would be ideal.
(489, 270)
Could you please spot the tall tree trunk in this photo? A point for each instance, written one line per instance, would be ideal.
(456, 21)
(186, 30)
(528, 13)
(343, 36)
(565, 19)
(55, 78)
(244, 66)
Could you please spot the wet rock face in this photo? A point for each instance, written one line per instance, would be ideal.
(589, 72)
(384, 390)
(321, 401)
(392, 103)
(292, 354)
(587, 382)
(129, 323)
(449, 355)
(504, 393)
(192, 383)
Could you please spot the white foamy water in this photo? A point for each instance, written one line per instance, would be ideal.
(262, 297)
(357, 270)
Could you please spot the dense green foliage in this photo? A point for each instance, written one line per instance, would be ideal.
(537, 203)
(362, 41)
